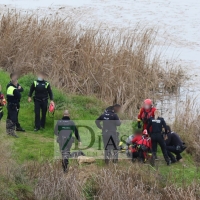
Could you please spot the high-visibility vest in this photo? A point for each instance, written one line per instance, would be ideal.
(46, 84)
(10, 91)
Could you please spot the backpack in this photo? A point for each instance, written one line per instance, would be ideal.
(144, 144)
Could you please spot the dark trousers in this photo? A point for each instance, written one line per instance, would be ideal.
(12, 113)
(17, 123)
(1, 114)
(134, 155)
(173, 149)
(65, 153)
(157, 138)
(40, 105)
(111, 146)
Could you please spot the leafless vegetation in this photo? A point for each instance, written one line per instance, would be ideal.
(113, 182)
(188, 126)
(116, 66)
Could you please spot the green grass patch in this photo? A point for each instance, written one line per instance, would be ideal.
(40, 146)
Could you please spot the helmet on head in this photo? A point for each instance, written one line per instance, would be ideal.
(145, 132)
(148, 102)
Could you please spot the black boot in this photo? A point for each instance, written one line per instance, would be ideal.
(153, 157)
(178, 157)
(168, 161)
(64, 165)
(172, 158)
(107, 161)
(20, 129)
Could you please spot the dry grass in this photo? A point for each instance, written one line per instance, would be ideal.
(113, 182)
(53, 184)
(116, 66)
(188, 126)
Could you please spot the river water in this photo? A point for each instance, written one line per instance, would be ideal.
(178, 22)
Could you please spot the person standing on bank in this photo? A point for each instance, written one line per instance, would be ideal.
(43, 92)
(13, 98)
(13, 77)
(64, 130)
(110, 135)
(158, 123)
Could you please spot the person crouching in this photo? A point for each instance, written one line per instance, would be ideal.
(174, 145)
(141, 147)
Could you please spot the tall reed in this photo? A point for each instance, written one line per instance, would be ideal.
(115, 66)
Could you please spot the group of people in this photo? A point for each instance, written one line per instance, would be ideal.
(43, 92)
(143, 143)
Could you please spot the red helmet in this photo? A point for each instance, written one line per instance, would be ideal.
(148, 102)
(51, 107)
(145, 132)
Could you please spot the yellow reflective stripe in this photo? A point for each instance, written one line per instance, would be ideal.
(35, 83)
(10, 91)
(47, 84)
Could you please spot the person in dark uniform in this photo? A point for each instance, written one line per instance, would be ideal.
(64, 130)
(13, 77)
(42, 91)
(13, 98)
(174, 145)
(110, 135)
(157, 124)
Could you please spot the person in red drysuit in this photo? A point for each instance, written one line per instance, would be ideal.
(146, 112)
(141, 146)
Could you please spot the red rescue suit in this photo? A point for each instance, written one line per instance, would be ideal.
(142, 141)
(144, 116)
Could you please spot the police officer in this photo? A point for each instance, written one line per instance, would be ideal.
(64, 130)
(13, 98)
(157, 123)
(13, 77)
(174, 145)
(42, 91)
(110, 121)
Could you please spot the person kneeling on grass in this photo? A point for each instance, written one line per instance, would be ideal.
(128, 148)
(174, 145)
(64, 130)
(141, 148)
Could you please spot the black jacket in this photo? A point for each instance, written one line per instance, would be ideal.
(17, 96)
(110, 121)
(173, 139)
(42, 90)
(20, 90)
(157, 125)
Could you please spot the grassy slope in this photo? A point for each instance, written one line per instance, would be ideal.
(40, 146)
